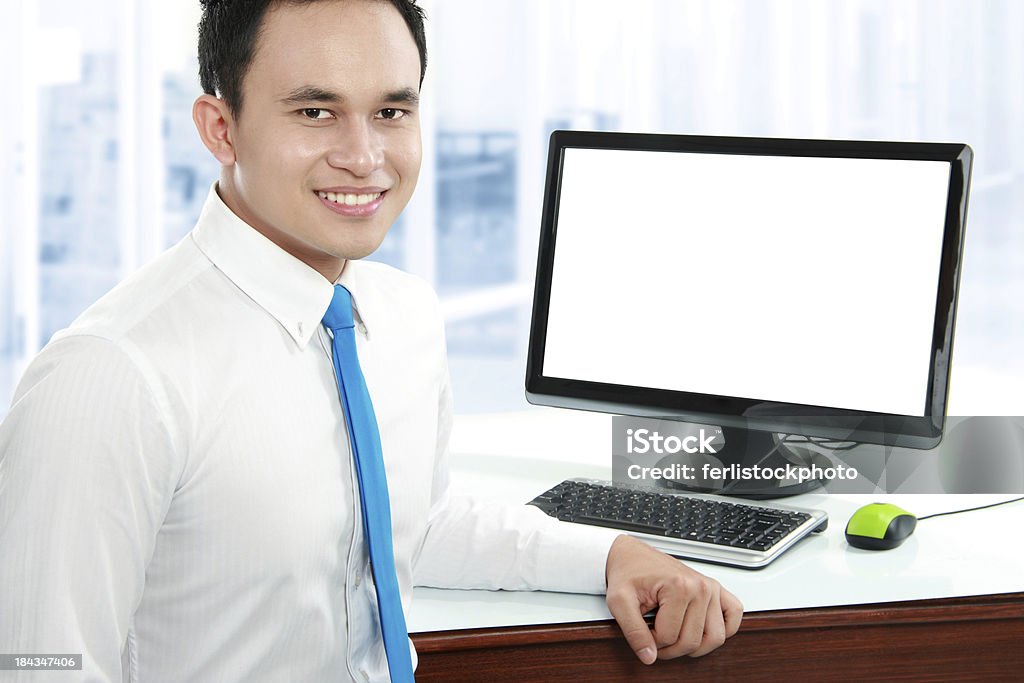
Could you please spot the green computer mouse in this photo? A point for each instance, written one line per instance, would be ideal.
(880, 526)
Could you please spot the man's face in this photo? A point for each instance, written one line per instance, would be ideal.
(327, 145)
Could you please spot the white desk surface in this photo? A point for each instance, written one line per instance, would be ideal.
(513, 457)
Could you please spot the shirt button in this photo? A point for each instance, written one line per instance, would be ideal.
(362, 329)
(359, 579)
(300, 329)
(366, 676)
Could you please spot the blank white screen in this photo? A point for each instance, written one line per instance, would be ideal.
(792, 279)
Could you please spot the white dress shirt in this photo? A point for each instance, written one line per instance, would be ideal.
(177, 498)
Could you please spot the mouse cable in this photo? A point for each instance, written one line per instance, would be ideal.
(980, 507)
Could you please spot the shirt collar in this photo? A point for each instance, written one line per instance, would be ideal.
(295, 294)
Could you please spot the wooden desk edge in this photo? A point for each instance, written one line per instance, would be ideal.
(944, 610)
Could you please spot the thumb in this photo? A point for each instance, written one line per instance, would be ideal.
(626, 610)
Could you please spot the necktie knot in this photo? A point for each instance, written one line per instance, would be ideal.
(339, 313)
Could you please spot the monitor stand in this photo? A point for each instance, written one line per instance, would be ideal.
(742, 451)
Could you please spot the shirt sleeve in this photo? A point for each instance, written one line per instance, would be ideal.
(87, 470)
(473, 543)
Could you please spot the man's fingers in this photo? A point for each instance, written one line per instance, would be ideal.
(668, 621)
(625, 607)
(732, 610)
(699, 594)
(714, 627)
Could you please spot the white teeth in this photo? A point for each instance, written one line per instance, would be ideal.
(349, 199)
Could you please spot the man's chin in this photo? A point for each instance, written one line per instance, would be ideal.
(329, 259)
(358, 250)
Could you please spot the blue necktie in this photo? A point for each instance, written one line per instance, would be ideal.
(373, 485)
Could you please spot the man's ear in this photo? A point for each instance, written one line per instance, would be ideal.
(213, 121)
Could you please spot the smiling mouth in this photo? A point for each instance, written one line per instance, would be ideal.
(343, 199)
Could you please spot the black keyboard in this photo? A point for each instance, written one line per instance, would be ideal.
(710, 528)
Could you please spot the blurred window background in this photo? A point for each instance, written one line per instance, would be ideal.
(101, 167)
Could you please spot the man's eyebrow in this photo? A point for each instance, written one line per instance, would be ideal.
(403, 96)
(311, 93)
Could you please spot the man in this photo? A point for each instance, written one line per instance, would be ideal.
(178, 499)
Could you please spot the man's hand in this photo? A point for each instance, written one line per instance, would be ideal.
(695, 614)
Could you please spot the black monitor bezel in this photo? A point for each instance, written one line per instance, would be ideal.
(833, 423)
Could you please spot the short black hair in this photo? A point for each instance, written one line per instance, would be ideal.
(228, 31)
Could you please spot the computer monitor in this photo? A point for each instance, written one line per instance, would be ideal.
(768, 287)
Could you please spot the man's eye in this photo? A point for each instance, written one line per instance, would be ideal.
(391, 114)
(316, 114)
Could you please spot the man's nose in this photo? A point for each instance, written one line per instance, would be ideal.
(358, 149)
